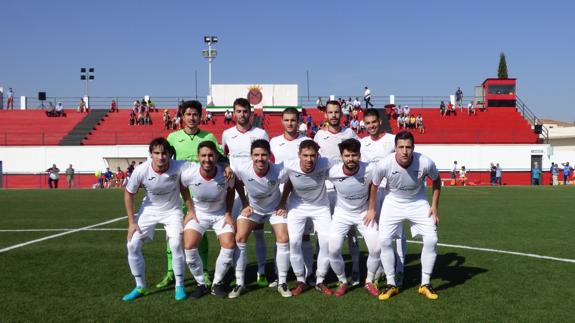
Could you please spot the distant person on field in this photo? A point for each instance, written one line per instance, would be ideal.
(108, 177)
(119, 177)
(70, 176)
(53, 176)
(566, 172)
(498, 173)
(554, 174)
(535, 174)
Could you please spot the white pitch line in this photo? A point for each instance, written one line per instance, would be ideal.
(59, 235)
(91, 228)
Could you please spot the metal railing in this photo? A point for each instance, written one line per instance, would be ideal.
(531, 118)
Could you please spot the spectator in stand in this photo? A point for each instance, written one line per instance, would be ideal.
(535, 174)
(210, 118)
(361, 126)
(462, 175)
(51, 110)
(147, 118)
(152, 106)
(119, 177)
(412, 121)
(367, 98)
(53, 176)
(140, 118)
(471, 109)
(132, 118)
(167, 120)
(302, 129)
(451, 109)
(228, 117)
(59, 111)
(309, 120)
(459, 97)
(356, 103)
(350, 106)
(554, 174)
(492, 174)
(406, 110)
(419, 124)
(10, 101)
(114, 106)
(318, 103)
(346, 114)
(82, 106)
(177, 124)
(314, 129)
(108, 177)
(498, 175)
(566, 173)
(442, 110)
(354, 125)
(70, 176)
(400, 122)
(136, 106)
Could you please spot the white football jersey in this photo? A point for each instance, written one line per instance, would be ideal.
(405, 184)
(162, 190)
(352, 190)
(237, 144)
(208, 194)
(284, 149)
(263, 192)
(328, 142)
(308, 188)
(376, 150)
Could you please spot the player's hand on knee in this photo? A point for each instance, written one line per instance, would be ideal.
(247, 211)
(434, 215)
(132, 228)
(369, 218)
(228, 219)
(190, 215)
(281, 210)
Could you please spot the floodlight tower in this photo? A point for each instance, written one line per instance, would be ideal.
(87, 74)
(210, 54)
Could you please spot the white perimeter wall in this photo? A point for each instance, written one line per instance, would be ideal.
(92, 158)
(273, 94)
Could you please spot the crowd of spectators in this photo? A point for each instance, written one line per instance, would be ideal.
(55, 111)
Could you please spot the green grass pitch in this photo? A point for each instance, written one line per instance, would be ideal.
(82, 276)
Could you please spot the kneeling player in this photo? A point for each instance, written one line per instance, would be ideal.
(213, 197)
(406, 172)
(352, 182)
(261, 180)
(160, 177)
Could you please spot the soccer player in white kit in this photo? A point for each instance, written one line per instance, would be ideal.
(328, 140)
(210, 208)
(236, 142)
(353, 180)
(307, 199)
(285, 147)
(261, 180)
(374, 148)
(160, 178)
(406, 172)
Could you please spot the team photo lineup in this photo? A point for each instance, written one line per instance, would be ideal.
(336, 187)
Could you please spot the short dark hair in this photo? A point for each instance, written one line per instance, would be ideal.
(260, 143)
(192, 104)
(404, 135)
(208, 144)
(308, 144)
(333, 102)
(371, 112)
(291, 110)
(161, 142)
(350, 144)
(242, 102)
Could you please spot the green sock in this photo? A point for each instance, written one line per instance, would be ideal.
(169, 255)
(204, 249)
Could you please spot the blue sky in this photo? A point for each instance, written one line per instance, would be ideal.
(401, 48)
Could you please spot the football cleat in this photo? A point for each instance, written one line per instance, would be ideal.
(322, 288)
(180, 293)
(428, 291)
(371, 289)
(219, 291)
(262, 281)
(388, 292)
(341, 289)
(284, 290)
(310, 280)
(274, 284)
(354, 278)
(167, 281)
(237, 291)
(135, 293)
(299, 288)
(200, 291)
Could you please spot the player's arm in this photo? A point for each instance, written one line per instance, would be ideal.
(246, 208)
(433, 211)
(281, 210)
(129, 204)
(189, 203)
(370, 216)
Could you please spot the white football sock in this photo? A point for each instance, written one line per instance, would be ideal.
(322, 257)
(388, 260)
(373, 260)
(178, 262)
(296, 259)
(335, 258)
(282, 260)
(195, 265)
(261, 251)
(428, 256)
(136, 261)
(353, 251)
(225, 259)
(307, 250)
(241, 263)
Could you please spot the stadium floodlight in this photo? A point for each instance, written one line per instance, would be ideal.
(87, 74)
(210, 54)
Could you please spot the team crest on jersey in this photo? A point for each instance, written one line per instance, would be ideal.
(221, 186)
(417, 173)
(173, 177)
(272, 183)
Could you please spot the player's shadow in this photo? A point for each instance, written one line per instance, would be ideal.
(449, 268)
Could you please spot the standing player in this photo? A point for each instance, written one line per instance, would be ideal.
(185, 143)
(237, 143)
(261, 180)
(374, 148)
(285, 147)
(212, 197)
(406, 172)
(328, 141)
(160, 178)
(352, 181)
(307, 200)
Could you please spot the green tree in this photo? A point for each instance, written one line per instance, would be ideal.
(502, 70)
